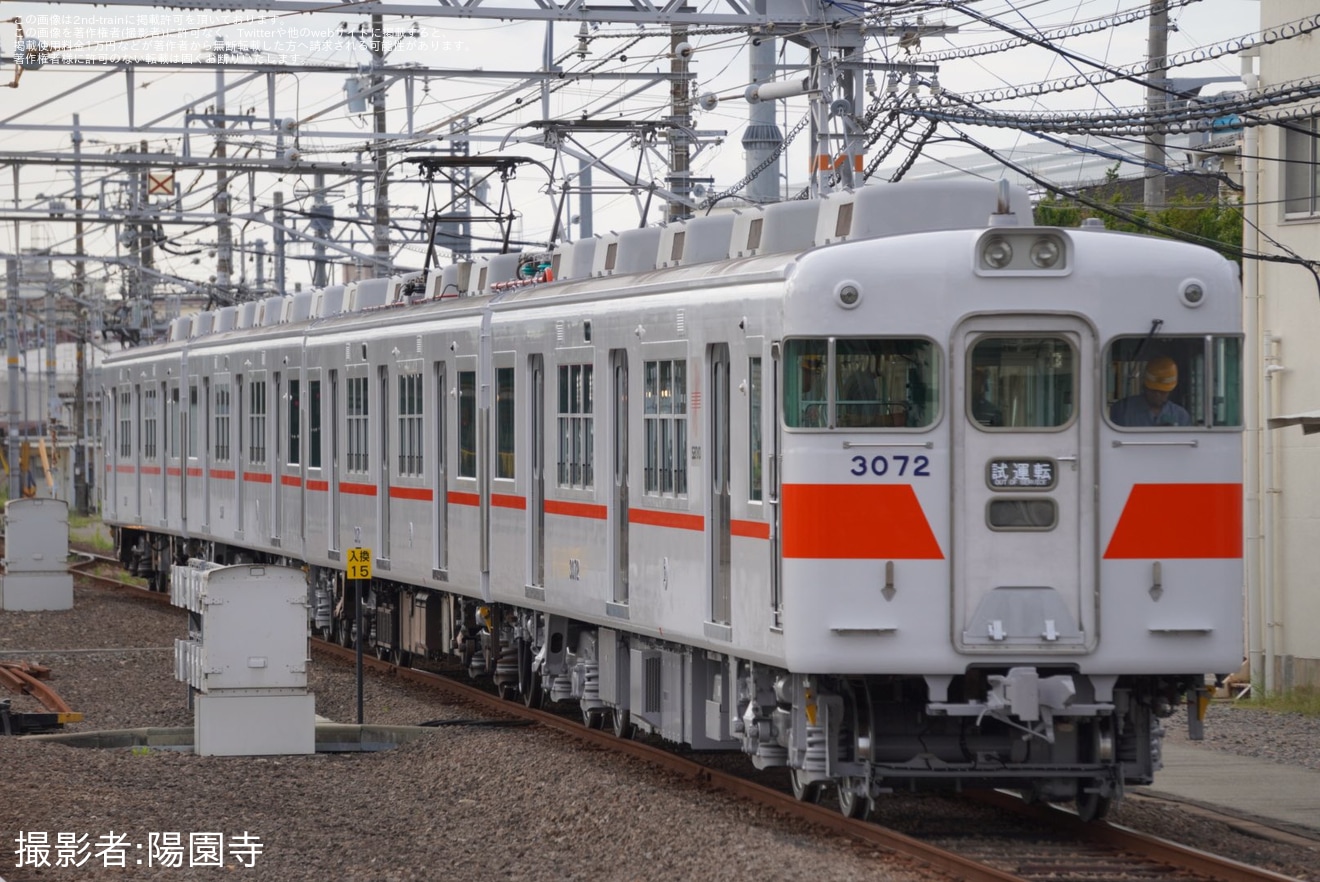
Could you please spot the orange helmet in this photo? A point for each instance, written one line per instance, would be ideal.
(1161, 374)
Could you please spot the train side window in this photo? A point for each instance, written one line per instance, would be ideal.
(1173, 382)
(664, 419)
(257, 420)
(126, 423)
(1021, 382)
(504, 422)
(410, 422)
(576, 425)
(467, 424)
(221, 413)
(149, 421)
(193, 409)
(357, 412)
(295, 425)
(313, 423)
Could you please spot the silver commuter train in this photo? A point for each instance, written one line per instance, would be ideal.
(838, 483)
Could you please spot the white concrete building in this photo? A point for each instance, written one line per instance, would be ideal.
(1282, 323)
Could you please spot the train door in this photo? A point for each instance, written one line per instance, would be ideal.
(242, 457)
(207, 428)
(276, 461)
(619, 460)
(773, 495)
(440, 556)
(333, 538)
(163, 452)
(134, 450)
(536, 488)
(718, 469)
(383, 470)
(174, 465)
(1024, 531)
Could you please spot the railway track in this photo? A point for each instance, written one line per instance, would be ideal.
(990, 837)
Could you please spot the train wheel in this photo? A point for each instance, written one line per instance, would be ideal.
(344, 634)
(803, 789)
(851, 803)
(621, 721)
(533, 695)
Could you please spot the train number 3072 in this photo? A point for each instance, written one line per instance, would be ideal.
(900, 464)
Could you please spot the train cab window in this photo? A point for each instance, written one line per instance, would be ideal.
(861, 383)
(1021, 382)
(1174, 382)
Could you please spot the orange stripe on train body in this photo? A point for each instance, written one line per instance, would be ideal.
(1163, 521)
(856, 522)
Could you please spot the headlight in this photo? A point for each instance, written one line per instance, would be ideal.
(1045, 252)
(998, 253)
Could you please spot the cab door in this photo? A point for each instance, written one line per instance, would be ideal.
(1024, 532)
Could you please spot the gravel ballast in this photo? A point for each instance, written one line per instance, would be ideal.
(465, 802)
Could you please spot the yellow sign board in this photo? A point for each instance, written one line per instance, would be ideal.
(359, 563)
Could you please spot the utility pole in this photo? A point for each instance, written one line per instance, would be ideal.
(1156, 101)
(680, 122)
(382, 225)
(11, 353)
(762, 138)
(80, 500)
(224, 232)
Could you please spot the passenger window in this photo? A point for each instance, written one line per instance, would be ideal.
(1174, 382)
(1021, 382)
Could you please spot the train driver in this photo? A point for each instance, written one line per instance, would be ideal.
(1152, 407)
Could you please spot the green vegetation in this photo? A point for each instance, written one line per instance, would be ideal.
(1303, 700)
(1210, 220)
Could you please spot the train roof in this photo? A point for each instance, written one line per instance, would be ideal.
(744, 245)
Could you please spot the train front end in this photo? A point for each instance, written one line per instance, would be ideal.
(1006, 556)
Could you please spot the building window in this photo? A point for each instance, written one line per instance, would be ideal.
(358, 429)
(504, 408)
(1301, 167)
(295, 424)
(126, 424)
(221, 422)
(575, 425)
(665, 420)
(257, 422)
(313, 424)
(467, 424)
(149, 424)
(410, 424)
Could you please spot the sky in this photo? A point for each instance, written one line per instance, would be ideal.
(35, 117)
